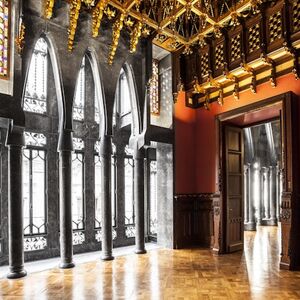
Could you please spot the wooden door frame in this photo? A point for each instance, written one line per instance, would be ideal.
(290, 214)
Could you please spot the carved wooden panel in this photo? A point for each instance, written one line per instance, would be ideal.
(294, 18)
(219, 57)
(235, 47)
(204, 63)
(193, 220)
(253, 38)
(274, 27)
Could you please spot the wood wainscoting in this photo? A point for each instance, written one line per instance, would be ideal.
(193, 220)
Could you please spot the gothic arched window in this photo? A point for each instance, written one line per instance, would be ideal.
(35, 99)
(124, 106)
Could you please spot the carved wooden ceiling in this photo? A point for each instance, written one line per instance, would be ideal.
(173, 23)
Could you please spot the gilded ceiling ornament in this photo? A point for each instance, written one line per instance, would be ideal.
(75, 6)
(135, 36)
(117, 27)
(49, 8)
(20, 39)
(97, 16)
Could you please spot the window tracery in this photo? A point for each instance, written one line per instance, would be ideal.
(35, 98)
(78, 109)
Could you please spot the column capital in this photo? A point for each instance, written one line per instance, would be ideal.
(65, 140)
(139, 153)
(15, 136)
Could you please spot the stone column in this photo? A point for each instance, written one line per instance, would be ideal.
(106, 214)
(15, 142)
(65, 148)
(139, 201)
(272, 196)
(251, 212)
(267, 189)
(246, 195)
(261, 196)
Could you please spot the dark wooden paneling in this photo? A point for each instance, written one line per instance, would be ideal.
(193, 220)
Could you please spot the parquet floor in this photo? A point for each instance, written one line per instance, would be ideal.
(169, 274)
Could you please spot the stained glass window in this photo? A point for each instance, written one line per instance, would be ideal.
(35, 99)
(154, 90)
(78, 109)
(128, 189)
(34, 191)
(4, 37)
(153, 197)
(77, 185)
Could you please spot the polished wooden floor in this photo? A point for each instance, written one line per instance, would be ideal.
(168, 274)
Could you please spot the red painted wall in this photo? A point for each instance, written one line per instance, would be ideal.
(185, 147)
(195, 146)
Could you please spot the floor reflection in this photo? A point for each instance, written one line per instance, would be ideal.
(170, 274)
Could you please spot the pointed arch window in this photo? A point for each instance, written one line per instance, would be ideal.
(35, 98)
(4, 38)
(79, 99)
(124, 94)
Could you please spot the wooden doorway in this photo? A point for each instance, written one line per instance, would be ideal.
(228, 202)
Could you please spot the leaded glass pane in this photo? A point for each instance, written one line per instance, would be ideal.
(129, 205)
(34, 192)
(77, 191)
(4, 37)
(78, 108)
(35, 99)
(153, 197)
(38, 191)
(26, 188)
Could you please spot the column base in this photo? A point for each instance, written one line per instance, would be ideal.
(250, 226)
(16, 274)
(107, 257)
(66, 265)
(140, 251)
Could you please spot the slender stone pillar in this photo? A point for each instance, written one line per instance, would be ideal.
(106, 214)
(65, 148)
(251, 212)
(139, 201)
(267, 189)
(246, 194)
(261, 197)
(15, 142)
(272, 193)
